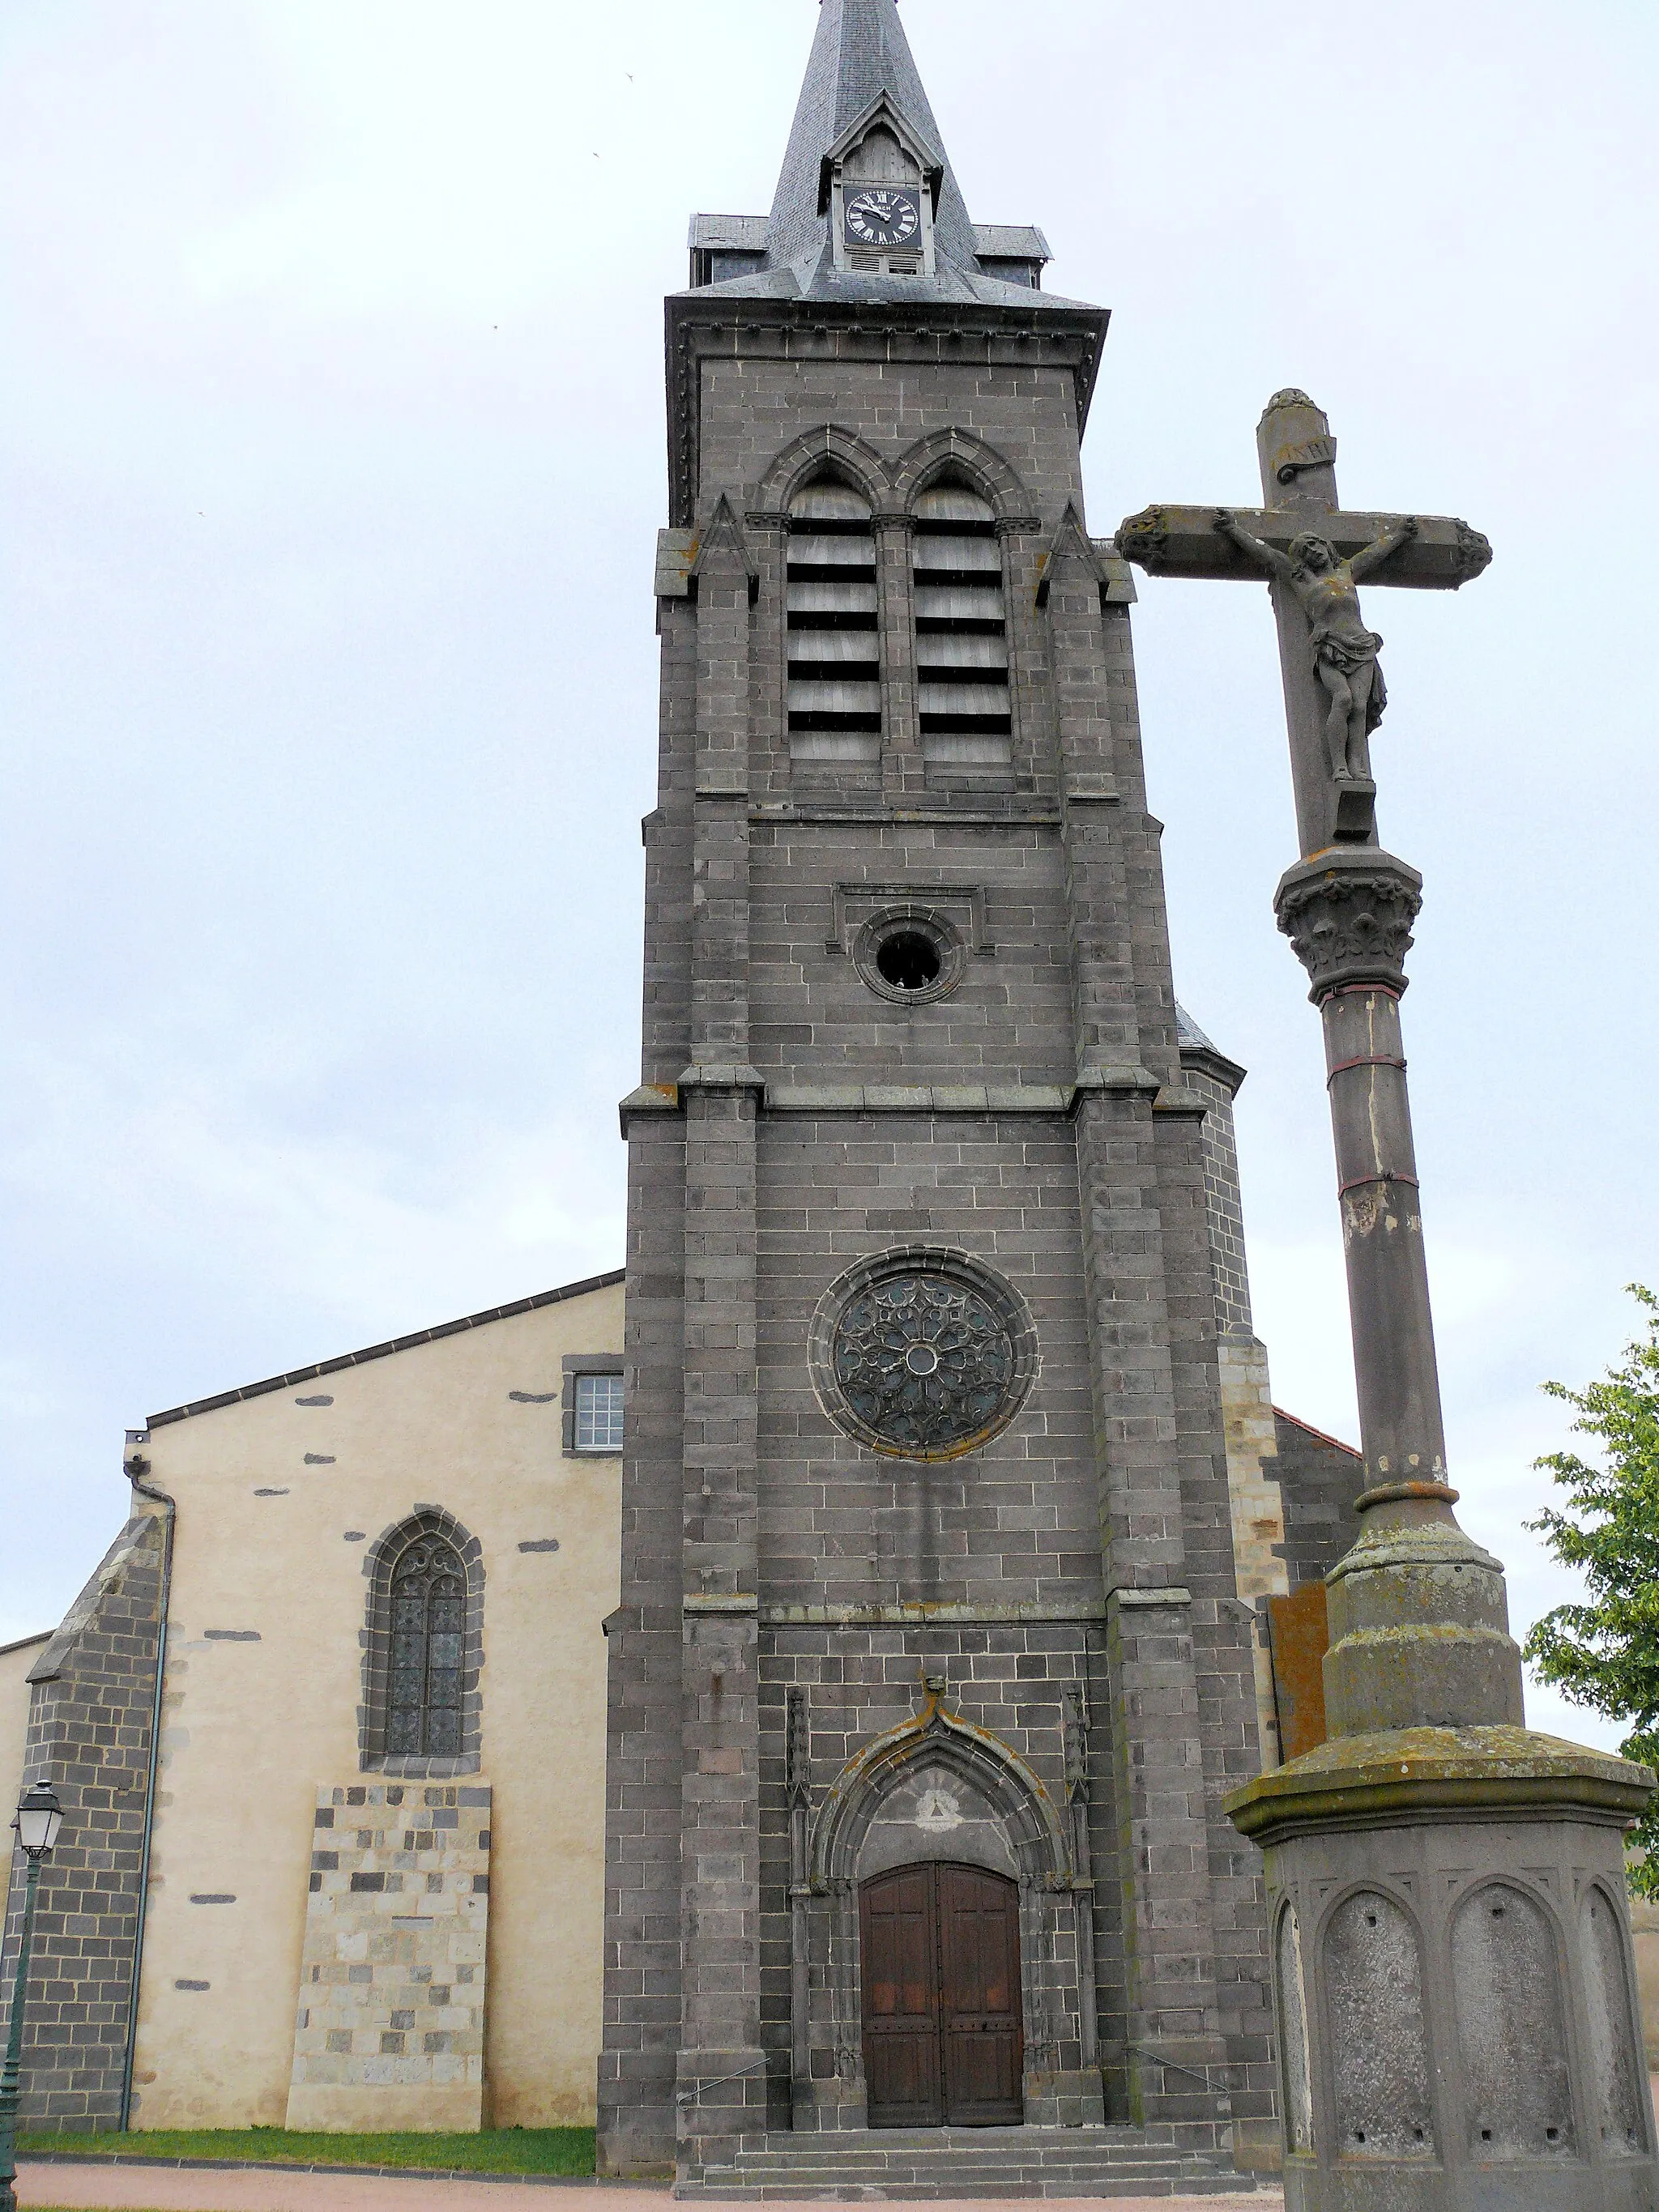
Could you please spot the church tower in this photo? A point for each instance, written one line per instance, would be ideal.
(931, 1668)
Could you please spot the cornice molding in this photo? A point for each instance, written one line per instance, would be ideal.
(958, 331)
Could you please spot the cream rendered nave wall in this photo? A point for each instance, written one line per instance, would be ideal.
(252, 1729)
(16, 1660)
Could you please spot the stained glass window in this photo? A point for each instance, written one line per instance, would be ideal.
(923, 1353)
(429, 1637)
(598, 1412)
(924, 1363)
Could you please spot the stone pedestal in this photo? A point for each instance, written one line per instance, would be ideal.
(1453, 1974)
(1454, 1977)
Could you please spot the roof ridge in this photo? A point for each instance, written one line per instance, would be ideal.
(1323, 1434)
(383, 1351)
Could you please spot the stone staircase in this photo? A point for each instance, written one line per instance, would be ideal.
(868, 2165)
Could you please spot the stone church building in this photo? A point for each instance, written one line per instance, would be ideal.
(783, 1691)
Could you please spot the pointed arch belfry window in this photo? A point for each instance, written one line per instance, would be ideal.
(834, 643)
(422, 1649)
(961, 637)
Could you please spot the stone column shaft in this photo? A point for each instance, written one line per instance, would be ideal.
(1348, 913)
(1397, 1377)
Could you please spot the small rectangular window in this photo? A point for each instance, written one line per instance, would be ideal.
(598, 1412)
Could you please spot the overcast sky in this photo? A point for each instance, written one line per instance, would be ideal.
(332, 438)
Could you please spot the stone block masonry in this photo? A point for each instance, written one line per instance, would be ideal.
(92, 1693)
(389, 2026)
(1320, 1478)
(1026, 1627)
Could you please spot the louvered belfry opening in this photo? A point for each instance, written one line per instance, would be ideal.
(834, 645)
(961, 639)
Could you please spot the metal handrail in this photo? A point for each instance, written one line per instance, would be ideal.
(685, 2097)
(1174, 2064)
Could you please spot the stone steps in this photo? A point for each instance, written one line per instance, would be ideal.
(869, 2164)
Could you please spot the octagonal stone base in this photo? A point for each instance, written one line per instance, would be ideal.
(1454, 1977)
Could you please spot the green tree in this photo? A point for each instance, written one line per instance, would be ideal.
(1605, 1653)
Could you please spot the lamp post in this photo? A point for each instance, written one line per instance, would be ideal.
(38, 1817)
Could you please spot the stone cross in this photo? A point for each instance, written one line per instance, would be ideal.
(1348, 907)
(1312, 553)
(1445, 1888)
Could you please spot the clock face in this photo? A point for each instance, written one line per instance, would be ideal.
(880, 218)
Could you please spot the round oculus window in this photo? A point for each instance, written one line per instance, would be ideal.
(908, 955)
(924, 1355)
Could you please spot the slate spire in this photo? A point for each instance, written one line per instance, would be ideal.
(860, 51)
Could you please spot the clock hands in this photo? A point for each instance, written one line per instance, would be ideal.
(881, 217)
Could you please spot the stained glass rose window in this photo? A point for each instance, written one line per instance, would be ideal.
(924, 1360)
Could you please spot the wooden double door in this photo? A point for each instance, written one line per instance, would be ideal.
(942, 2041)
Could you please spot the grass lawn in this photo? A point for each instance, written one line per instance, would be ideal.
(496, 2151)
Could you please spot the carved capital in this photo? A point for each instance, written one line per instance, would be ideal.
(1349, 918)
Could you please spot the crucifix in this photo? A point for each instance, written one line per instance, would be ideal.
(1312, 554)
(1346, 905)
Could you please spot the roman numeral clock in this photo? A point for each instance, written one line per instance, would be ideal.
(880, 218)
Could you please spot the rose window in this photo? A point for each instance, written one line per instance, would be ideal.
(924, 1363)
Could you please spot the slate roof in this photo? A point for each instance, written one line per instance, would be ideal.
(1188, 1035)
(1196, 1050)
(860, 51)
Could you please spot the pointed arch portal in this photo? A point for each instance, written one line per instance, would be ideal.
(943, 1862)
(939, 1781)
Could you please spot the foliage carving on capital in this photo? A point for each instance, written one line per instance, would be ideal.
(1351, 922)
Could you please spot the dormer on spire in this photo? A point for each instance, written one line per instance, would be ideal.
(880, 186)
(862, 91)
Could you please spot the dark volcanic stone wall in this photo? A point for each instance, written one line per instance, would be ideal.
(89, 1732)
(1320, 1479)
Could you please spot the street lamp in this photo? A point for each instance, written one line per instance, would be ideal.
(39, 1816)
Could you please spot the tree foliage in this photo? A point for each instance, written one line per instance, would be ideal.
(1604, 1653)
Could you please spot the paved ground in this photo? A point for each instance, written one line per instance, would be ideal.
(162, 2188)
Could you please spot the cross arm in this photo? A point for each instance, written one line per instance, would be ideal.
(1183, 541)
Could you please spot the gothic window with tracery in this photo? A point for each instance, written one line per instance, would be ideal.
(922, 1354)
(923, 1361)
(429, 1640)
